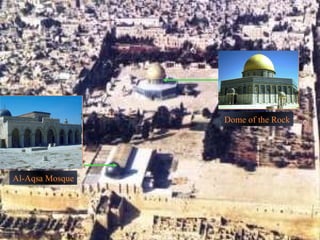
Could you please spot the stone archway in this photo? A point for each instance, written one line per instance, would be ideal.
(62, 137)
(27, 138)
(50, 137)
(232, 98)
(38, 138)
(77, 139)
(15, 138)
(70, 137)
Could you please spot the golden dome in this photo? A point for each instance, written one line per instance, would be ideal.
(258, 62)
(155, 72)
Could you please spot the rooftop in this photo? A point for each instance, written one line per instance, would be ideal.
(34, 113)
(136, 172)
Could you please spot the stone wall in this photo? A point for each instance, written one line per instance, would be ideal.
(290, 219)
(27, 198)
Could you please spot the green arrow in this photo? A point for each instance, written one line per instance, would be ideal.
(100, 165)
(190, 79)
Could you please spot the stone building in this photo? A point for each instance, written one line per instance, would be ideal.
(128, 176)
(36, 129)
(258, 86)
(153, 85)
(161, 39)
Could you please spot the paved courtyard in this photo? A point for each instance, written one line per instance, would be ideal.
(207, 96)
(60, 157)
(214, 180)
(265, 185)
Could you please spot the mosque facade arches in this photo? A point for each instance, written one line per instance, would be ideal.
(22, 132)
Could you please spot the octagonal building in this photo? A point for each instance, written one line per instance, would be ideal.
(153, 85)
(258, 85)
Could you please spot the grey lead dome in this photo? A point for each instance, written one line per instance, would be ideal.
(113, 172)
(5, 113)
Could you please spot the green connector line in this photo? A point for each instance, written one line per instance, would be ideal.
(100, 165)
(190, 79)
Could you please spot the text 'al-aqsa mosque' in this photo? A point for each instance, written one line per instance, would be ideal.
(259, 86)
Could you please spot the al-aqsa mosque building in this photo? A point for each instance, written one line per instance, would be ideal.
(153, 85)
(259, 86)
(36, 129)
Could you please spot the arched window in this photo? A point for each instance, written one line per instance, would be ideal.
(268, 89)
(50, 137)
(62, 137)
(15, 138)
(77, 138)
(38, 137)
(27, 138)
(70, 140)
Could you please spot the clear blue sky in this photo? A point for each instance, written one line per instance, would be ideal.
(61, 107)
(231, 63)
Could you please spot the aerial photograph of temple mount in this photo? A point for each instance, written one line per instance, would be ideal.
(156, 161)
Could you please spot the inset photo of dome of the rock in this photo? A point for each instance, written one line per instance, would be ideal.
(258, 79)
(40, 132)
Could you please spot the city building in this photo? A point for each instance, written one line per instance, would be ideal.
(258, 86)
(129, 173)
(153, 86)
(36, 129)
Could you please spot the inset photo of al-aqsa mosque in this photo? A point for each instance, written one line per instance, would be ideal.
(258, 80)
(40, 132)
